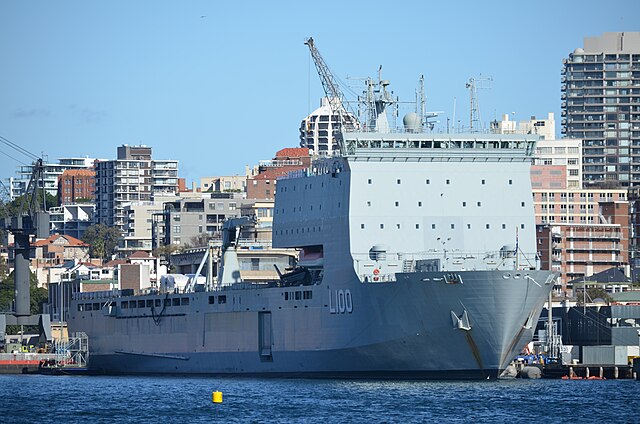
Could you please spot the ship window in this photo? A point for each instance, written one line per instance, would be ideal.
(140, 303)
(298, 295)
(175, 301)
(382, 226)
(307, 294)
(398, 226)
(488, 226)
(132, 303)
(419, 204)
(88, 307)
(286, 295)
(369, 181)
(124, 305)
(510, 181)
(222, 298)
(522, 226)
(479, 204)
(81, 307)
(167, 302)
(433, 226)
(504, 226)
(362, 226)
(448, 181)
(464, 204)
(212, 300)
(398, 181)
(417, 226)
(149, 303)
(185, 300)
(428, 181)
(397, 204)
(468, 226)
(368, 203)
(522, 204)
(483, 181)
(453, 226)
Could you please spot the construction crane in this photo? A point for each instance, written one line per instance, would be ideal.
(337, 101)
(31, 220)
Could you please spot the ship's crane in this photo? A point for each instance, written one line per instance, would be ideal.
(229, 271)
(337, 101)
(31, 220)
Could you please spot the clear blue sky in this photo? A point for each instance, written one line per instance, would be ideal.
(219, 85)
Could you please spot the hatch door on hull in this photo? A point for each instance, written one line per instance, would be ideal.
(264, 335)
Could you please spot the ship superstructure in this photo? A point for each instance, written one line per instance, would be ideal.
(417, 259)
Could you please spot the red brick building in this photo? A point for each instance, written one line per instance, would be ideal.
(76, 184)
(263, 185)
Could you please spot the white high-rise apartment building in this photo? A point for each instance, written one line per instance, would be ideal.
(601, 106)
(132, 178)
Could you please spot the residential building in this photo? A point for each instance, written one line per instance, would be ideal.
(263, 185)
(52, 171)
(557, 164)
(545, 128)
(226, 184)
(76, 185)
(138, 231)
(601, 106)
(72, 219)
(578, 250)
(188, 219)
(132, 178)
(59, 248)
(317, 131)
(566, 206)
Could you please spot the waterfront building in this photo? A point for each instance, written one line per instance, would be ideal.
(601, 106)
(76, 185)
(132, 178)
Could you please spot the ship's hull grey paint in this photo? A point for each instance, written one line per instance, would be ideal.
(402, 329)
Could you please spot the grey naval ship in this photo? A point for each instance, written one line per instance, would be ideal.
(417, 260)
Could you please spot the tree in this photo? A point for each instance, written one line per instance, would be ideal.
(201, 240)
(102, 240)
(592, 294)
(7, 292)
(21, 204)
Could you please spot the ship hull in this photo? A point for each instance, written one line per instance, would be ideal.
(465, 325)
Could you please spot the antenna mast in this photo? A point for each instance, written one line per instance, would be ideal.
(474, 107)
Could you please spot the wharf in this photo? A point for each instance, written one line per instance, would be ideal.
(24, 363)
(587, 371)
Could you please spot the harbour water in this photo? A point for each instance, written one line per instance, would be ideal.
(106, 399)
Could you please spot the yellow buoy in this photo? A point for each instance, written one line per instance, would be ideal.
(216, 397)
